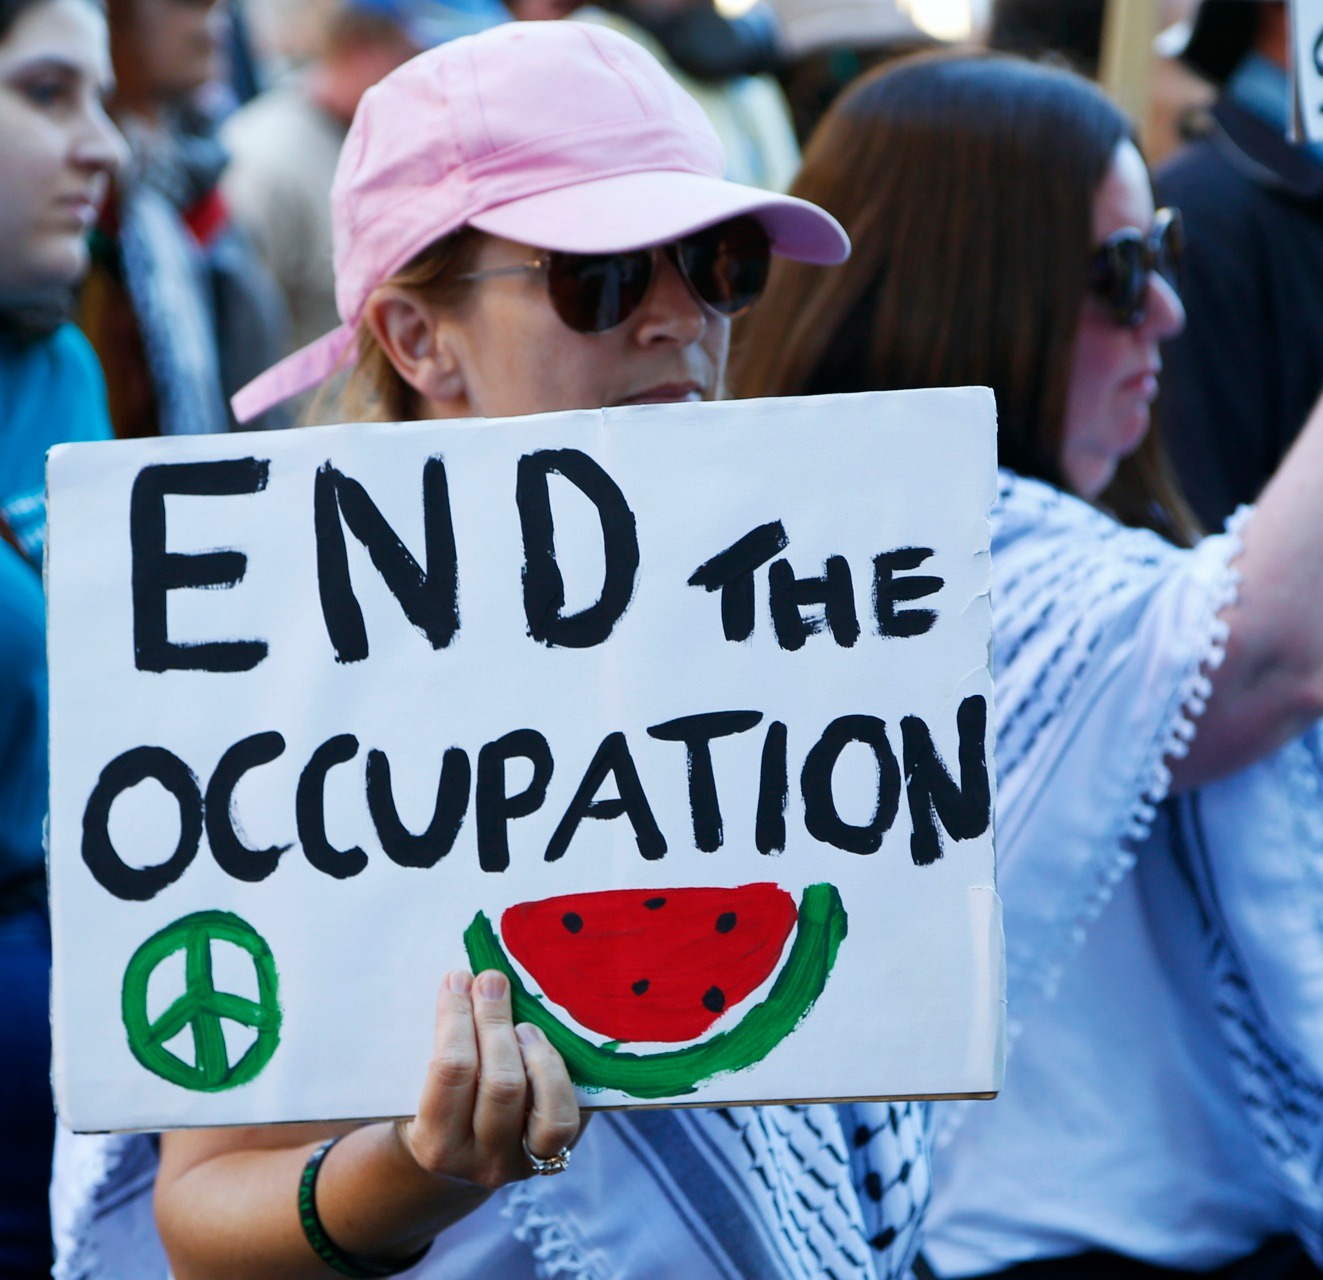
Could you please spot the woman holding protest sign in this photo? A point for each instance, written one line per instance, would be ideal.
(1160, 1107)
(57, 149)
(521, 248)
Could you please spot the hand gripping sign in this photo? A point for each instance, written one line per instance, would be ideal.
(678, 715)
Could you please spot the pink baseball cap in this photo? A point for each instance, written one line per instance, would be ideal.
(561, 135)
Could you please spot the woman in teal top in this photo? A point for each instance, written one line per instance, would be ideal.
(57, 149)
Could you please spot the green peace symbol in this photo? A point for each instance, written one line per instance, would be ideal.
(201, 1006)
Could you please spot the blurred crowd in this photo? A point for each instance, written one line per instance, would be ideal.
(168, 232)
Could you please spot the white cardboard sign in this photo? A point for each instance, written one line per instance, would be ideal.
(682, 713)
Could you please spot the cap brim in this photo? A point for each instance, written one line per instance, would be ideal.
(306, 368)
(631, 210)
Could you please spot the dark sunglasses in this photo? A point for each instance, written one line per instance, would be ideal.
(1120, 268)
(725, 267)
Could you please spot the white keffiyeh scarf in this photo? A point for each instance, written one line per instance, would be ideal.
(752, 1193)
(1102, 638)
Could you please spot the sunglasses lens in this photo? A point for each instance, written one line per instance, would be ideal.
(1170, 249)
(727, 264)
(1119, 276)
(1121, 268)
(595, 292)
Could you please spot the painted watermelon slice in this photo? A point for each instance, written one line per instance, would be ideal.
(649, 964)
(821, 929)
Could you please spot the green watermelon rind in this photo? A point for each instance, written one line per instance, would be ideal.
(674, 1072)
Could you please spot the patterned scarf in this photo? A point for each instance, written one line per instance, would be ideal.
(1102, 638)
(749, 1193)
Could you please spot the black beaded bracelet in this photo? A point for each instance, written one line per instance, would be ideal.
(322, 1244)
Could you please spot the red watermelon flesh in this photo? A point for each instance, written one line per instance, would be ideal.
(651, 964)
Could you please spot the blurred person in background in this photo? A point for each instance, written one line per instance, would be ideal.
(827, 44)
(1071, 30)
(1159, 753)
(706, 43)
(1242, 378)
(283, 146)
(57, 151)
(177, 304)
(1070, 33)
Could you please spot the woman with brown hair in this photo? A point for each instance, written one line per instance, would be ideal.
(965, 267)
(1167, 1047)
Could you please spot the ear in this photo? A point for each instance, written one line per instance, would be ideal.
(416, 339)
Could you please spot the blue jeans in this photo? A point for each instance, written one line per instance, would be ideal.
(27, 1117)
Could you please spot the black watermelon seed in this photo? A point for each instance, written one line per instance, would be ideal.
(714, 999)
(725, 922)
(653, 903)
(572, 921)
(640, 986)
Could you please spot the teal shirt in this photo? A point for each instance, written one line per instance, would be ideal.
(51, 391)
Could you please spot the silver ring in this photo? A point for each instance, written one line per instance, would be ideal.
(552, 1164)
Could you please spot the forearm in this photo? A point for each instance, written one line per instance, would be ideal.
(235, 1212)
(1269, 689)
(227, 1200)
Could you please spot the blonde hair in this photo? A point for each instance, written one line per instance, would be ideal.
(375, 391)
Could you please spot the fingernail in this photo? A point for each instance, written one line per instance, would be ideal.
(459, 982)
(491, 985)
(528, 1035)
